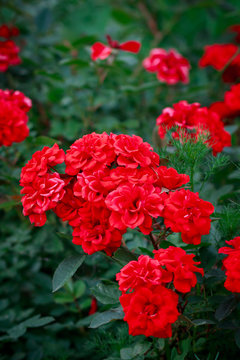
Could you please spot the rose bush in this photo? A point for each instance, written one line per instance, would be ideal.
(122, 240)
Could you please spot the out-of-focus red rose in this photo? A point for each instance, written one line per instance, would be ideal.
(101, 51)
(143, 272)
(8, 31)
(186, 213)
(236, 29)
(170, 66)
(93, 307)
(232, 264)
(150, 311)
(232, 98)
(181, 265)
(8, 54)
(14, 106)
(217, 55)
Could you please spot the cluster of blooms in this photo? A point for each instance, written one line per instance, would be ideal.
(194, 121)
(14, 106)
(230, 107)
(101, 51)
(224, 57)
(232, 264)
(111, 183)
(8, 49)
(170, 66)
(150, 308)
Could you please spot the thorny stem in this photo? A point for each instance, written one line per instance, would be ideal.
(154, 241)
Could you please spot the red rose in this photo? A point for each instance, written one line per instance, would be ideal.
(101, 51)
(232, 264)
(150, 311)
(8, 54)
(217, 55)
(186, 213)
(170, 179)
(143, 272)
(171, 67)
(133, 206)
(181, 265)
(132, 152)
(14, 106)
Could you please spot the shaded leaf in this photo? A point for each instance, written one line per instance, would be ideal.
(106, 317)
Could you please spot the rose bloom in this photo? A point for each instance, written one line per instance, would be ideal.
(150, 311)
(217, 55)
(101, 51)
(186, 213)
(132, 152)
(193, 121)
(92, 151)
(95, 233)
(170, 179)
(143, 272)
(41, 195)
(181, 265)
(133, 206)
(8, 31)
(41, 162)
(232, 264)
(8, 54)
(14, 106)
(236, 29)
(171, 67)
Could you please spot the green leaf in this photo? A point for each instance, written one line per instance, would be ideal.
(106, 292)
(199, 322)
(66, 269)
(225, 308)
(17, 331)
(124, 256)
(107, 316)
(79, 288)
(133, 351)
(71, 61)
(63, 298)
(37, 321)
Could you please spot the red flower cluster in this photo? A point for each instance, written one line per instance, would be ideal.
(194, 121)
(101, 51)
(186, 213)
(43, 188)
(14, 106)
(150, 308)
(171, 67)
(112, 182)
(8, 49)
(232, 264)
(223, 57)
(230, 107)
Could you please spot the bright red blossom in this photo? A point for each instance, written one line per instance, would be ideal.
(101, 51)
(133, 206)
(171, 67)
(232, 264)
(143, 272)
(186, 213)
(8, 31)
(170, 179)
(14, 106)
(150, 312)
(181, 265)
